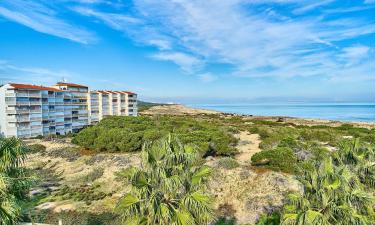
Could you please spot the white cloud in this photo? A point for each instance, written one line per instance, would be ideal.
(116, 21)
(312, 6)
(34, 75)
(356, 51)
(161, 44)
(253, 36)
(207, 77)
(187, 62)
(43, 19)
(256, 44)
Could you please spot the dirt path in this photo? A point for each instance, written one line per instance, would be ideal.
(247, 146)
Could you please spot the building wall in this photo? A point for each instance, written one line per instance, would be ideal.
(79, 106)
(28, 113)
(115, 104)
(2, 111)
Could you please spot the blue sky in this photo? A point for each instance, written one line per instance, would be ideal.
(194, 50)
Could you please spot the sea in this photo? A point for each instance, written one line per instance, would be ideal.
(350, 112)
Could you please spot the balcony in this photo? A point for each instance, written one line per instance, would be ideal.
(22, 94)
(10, 94)
(35, 102)
(36, 126)
(34, 119)
(35, 95)
(35, 111)
(17, 103)
(23, 127)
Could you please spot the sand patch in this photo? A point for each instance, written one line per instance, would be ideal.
(248, 145)
(176, 110)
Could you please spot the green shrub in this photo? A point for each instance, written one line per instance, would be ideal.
(36, 148)
(225, 221)
(83, 193)
(95, 174)
(228, 163)
(289, 142)
(127, 134)
(279, 159)
(273, 219)
(69, 153)
(72, 217)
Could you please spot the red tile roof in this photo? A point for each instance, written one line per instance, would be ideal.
(129, 93)
(33, 87)
(115, 92)
(102, 92)
(70, 85)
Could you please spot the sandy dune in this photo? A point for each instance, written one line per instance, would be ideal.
(247, 147)
(176, 110)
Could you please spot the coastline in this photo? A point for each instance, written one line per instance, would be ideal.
(180, 110)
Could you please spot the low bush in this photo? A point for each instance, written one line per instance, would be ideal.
(278, 159)
(68, 153)
(225, 221)
(85, 193)
(228, 163)
(127, 134)
(72, 217)
(95, 174)
(36, 148)
(273, 219)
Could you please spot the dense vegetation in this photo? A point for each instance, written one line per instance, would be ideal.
(127, 134)
(14, 181)
(337, 190)
(168, 188)
(337, 174)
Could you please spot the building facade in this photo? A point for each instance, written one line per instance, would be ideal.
(30, 110)
(111, 103)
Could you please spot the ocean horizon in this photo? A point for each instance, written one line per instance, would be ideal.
(347, 112)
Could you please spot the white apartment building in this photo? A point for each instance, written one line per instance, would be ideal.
(111, 103)
(30, 110)
(77, 106)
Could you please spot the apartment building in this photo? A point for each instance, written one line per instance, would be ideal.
(76, 104)
(30, 110)
(111, 103)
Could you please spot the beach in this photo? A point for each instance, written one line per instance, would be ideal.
(178, 109)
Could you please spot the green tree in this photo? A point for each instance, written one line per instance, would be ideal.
(168, 188)
(13, 180)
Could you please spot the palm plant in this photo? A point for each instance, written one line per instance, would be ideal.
(13, 180)
(334, 191)
(168, 188)
(360, 159)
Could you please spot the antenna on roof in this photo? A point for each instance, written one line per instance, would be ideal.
(64, 80)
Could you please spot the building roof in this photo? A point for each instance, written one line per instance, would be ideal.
(102, 92)
(114, 92)
(130, 93)
(33, 87)
(70, 85)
